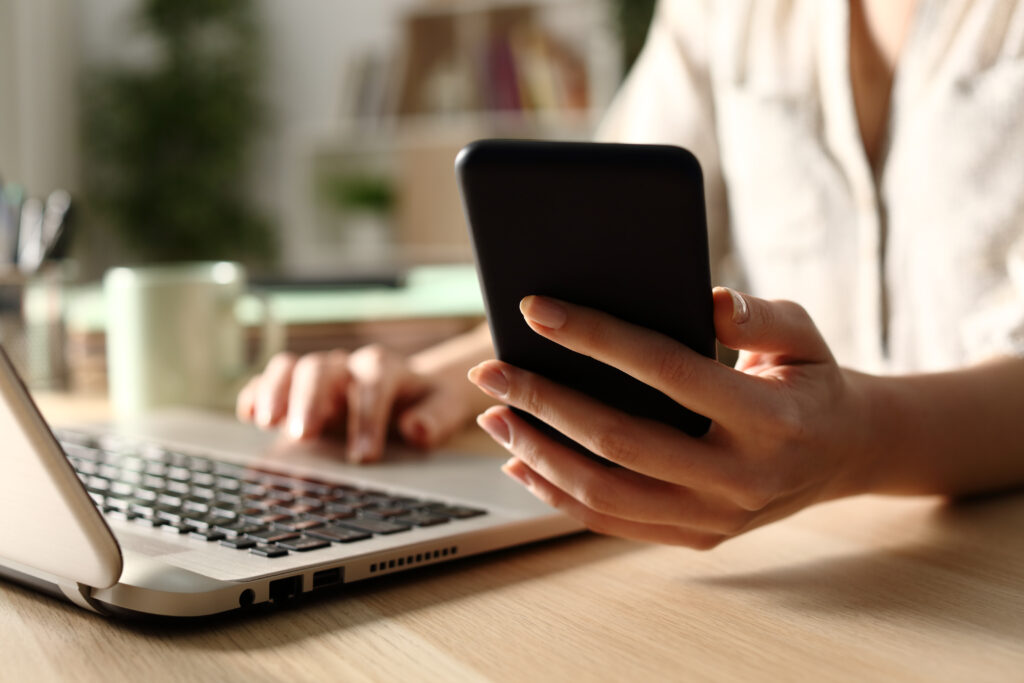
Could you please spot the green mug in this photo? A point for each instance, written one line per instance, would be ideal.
(174, 337)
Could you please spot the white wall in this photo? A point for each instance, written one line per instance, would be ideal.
(38, 101)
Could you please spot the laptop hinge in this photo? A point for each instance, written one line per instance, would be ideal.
(78, 594)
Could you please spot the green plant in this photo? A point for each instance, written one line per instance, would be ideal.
(167, 144)
(358, 193)
(633, 18)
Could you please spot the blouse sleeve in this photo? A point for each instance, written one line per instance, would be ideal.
(667, 99)
(996, 328)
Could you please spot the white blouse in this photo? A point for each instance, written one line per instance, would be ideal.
(917, 265)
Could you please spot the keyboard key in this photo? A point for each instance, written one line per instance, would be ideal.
(153, 482)
(177, 528)
(121, 488)
(171, 514)
(298, 524)
(238, 543)
(85, 451)
(199, 464)
(266, 517)
(179, 473)
(203, 479)
(273, 535)
(119, 503)
(206, 522)
(202, 492)
(381, 512)
(267, 550)
(146, 493)
(98, 484)
(239, 529)
(155, 469)
(303, 543)
(421, 519)
(121, 514)
(196, 504)
(86, 466)
(179, 487)
(373, 526)
(229, 497)
(224, 483)
(227, 469)
(151, 522)
(224, 511)
(331, 516)
(170, 499)
(338, 534)
(208, 534)
(458, 511)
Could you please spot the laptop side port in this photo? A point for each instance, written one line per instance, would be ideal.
(327, 577)
(283, 589)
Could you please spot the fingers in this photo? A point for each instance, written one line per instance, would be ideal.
(691, 379)
(643, 446)
(782, 328)
(433, 419)
(614, 492)
(245, 405)
(317, 393)
(270, 395)
(701, 384)
(606, 524)
(377, 376)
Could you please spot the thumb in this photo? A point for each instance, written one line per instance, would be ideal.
(432, 419)
(781, 328)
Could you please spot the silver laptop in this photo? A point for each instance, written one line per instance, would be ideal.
(190, 514)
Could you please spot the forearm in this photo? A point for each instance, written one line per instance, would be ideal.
(952, 433)
(451, 359)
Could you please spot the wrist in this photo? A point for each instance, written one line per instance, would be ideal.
(893, 438)
(874, 441)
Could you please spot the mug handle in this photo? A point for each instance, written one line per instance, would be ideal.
(272, 333)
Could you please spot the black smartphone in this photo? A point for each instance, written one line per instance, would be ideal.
(616, 227)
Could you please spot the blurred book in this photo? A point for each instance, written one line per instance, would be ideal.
(495, 58)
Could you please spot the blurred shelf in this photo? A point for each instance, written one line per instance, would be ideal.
(463, 70)
(436, 303)
(429, 292)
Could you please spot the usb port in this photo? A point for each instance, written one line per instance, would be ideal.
(326, 577)
(285, 589)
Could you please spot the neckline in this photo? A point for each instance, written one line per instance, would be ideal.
(896, 87)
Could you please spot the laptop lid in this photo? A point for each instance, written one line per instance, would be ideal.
(50, 523)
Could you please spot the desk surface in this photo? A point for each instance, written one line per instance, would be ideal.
(861, 589)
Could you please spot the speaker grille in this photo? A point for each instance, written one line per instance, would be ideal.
(411, 559)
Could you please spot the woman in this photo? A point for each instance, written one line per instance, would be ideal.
(863, 158)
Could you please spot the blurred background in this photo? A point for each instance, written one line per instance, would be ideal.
(311, 140)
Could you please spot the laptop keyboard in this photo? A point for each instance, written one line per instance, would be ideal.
(257, 510)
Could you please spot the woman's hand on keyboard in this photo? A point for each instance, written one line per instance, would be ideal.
(365, 392)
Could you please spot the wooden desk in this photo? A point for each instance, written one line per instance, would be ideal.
(862, 589)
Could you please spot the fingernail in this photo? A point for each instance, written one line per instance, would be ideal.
(740, 311)
(418, 430)
(361, 448)
(296, 429)
(543, 311)
(496, 427)
(490, 379)
(514, 469)
(264, 416)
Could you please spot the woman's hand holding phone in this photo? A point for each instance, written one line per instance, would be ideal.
(788, 424)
